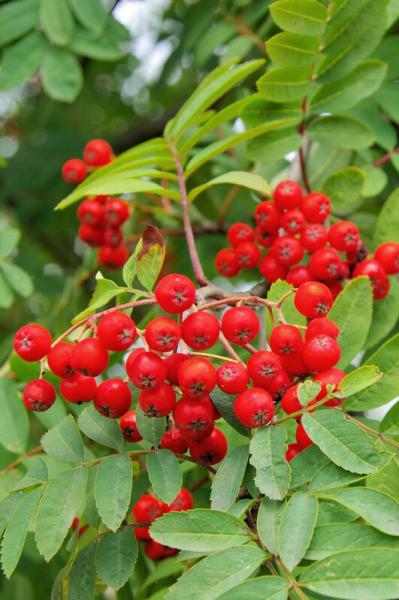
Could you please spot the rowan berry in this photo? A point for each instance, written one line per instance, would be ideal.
(39, 395)
(292, 451)
(146, 370)
(142, 534)
(267, 217)
(172, 364)
(128, 427)
(387, 254)
(277, 386)
(113, 257)
(158, 402)
(183, 501)
(298, 275)
(148, 508)
(92, 236)
(290, 402)
(60, 359)
(157, 551)
(254, 407)
(288, 251)
(263, 366)
(196, 377)
(193, 418)
(331, 377)
(316, 207)
(232, 377)
(162, 334)
(271, 269)
(74, 171)
(174, 441)
(113, 398)
(78, 388)
(200, 330)
(265, 238)
(287, 195)
(116, 331)
(293, 222)
(381, 289)
(372, 269)
(209, 450)
(285, 340)
(116, 212)
(97, 153)
(91, 212)
(302, 437)
(248, 255)
(326, 264)
(321, 326)
(314, 237)
(240, 232)
(240, 325)
(32, 342)
(89, 357)
(321, 352)
(113, 236)
(131, 358)
(313, 299)
(175, 293)
(293, 364)
(226, 262)
(335, 288)
(344, 236)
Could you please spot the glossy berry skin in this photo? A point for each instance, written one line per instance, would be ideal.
(147, 371)
(226, 262)
(265, 238)
(387, 254)
(183, 501)
(240, 232)
(60, 359)
(271, 269)
(316, 207)
(293, 363)
(293, 222)
(142, 534)
(32, 342)
(193, 418)
(162, 334)
(288, 251)
(344, 236)
(90, 357)
(200, 330)
(210, 450)
(326, 264)
(196, 377)
(172, 364)
(93, 236)
(174, 441)
(116, 331)
(278, 385)
(263, 366)
(285, 340)
(91, 212)
(335, 288)
(332, 377)
(267, 217)
(381, 290)
(74, 171)
(116, 212)
(39, 395)
(298, 275)
(287, 195)
(313, 299)
(248, 255)
(128, 427)
(372, 269)
(302, 437)
(132, 356)
(97, 153)
(148, 508)
(232, 377)
(175, 293)
(113, 237)
(254, 407)
(113, 257)
(157, 551)
(158, 402)
(78, 388)
(314, 237)
(321, 352)
(321, 326)
(113, 398)
(290, 402)
(240, 325)
(292, 451)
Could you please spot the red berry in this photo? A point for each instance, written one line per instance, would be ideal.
(32, 342)
(175, 293)
(271, 269)
(267, 217)
(344, 236)
(113, 398)
(112, 236)
(162, 334)
(78, 388)
(93, 236)
(193, 418)
(248, 255)
(132, 356)
(314, 237)
(316, 207)
(142, 533)
(381, 290)
(263, 366)
(293, 221)
(210, 450)
(335, 288)
(240, 232)
(128, 427)
(302, 437)
(285, 340)
(287, 195)
(116, 331)
(174, 441)
(147, 371)
(148, 508)
(326, 264)
(372, 269)
(113, 257)
(313, 299)
(196, 377)
(232, 377)
(157, 551)
(90, 357)
(298, 275)
(331, 377)
(287, 251)
(265, 238)
(254, 407)
(91, 212)
(74, 171)
(60, 359)
(240, 325)
(292, 451)
(97, 153)
(321, 352)
(293, 363)
(116, 212)
(183, 501)
(345, 270)
(39, 395)
(290, 402)
(321, 326)
(158, 402)
(277, 386)
(387, 254)
(200, 330)
(172, 363)
(226, 262)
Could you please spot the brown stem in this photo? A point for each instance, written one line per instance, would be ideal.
(385, 158)
(229, 348)
(18, 461)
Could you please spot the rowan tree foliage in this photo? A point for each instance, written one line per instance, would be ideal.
(195, 337)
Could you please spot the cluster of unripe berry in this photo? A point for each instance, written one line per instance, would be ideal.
(301, 246)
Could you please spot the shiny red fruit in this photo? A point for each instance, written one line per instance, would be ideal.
(232, 377)
(302, 437)
(113, 398)
(285, 339)
(116, 331)
(287, 195)
(32, 342)
(91, 212)
(183, 501)
(93, 236)
(113, 257)
(287, 251)
(39, 395)
(78, 388)
(146, 370)
(200, 330)
(313, 299)
(331, 377)
(210, 450)
(175, 293)
(148, 508)
(128, 427)
(74, 171)
(298, 275)
(174, 441)
(267, 217)
(254, 407)
(290, 402)
(240, 325)
(60, 359)
(321, 326)
(293, 222)
(314, 237)
(172, 364)
(196, 377)
(321, 352)
(344, 236)
(271, 269)
(193, 418)
(162, 334)
(387, 254)
(263, 366)
(226, 262)
(89, 357)
(248, 255)
(372, 269)
(116, 212)
(316, 207)
(292, 451)
(240, 232)
(158, 402)
(97, 153)
(326, 264)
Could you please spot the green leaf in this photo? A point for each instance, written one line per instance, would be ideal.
(36, 474)
(14, 423)
(17, 19)
(242, 178)
(308, 390)
(285, 84)
(344, 442)
(268, 523)
(274, 145)
(165, 474)
(277, 290)
(150, 255)
(331, 513)
(344, 188)
(90, 13)
(358, 380)
(17, 529)
(306, 465)
(261, 588)
(228, 479)
(113, 489)
(200, 530)
(56, 20)
(350, 575)
(273, 473)
(9, 239)
(82, 577)
(103, 431)
(7, 508)
(352, 312)
(292, 50)
(64, 441)
(22, 59)
(387, 479)
(216, 574)
(6, 293)
(390, 423)
(151, 428)
(257, 110)
(378, 509)
(62, 75)
(295, 534)
(385, 358)
(385, 316)
(340, 131)
(129, 270)
(57, 509)
(330, 477)
(122, 547)
(387, 225)
(306, 17)
(104, 292)
(19, 280)
(104, 46)
(225, 406)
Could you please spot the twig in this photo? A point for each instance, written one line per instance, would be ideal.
(293, 582)
(376, 164)
(229, 348)
(19, 461)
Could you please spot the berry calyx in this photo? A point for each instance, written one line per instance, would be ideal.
(193, 418)
(39, 395)
(32, 342)
(254, 407)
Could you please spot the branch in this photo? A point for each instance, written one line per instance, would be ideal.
(385, 158)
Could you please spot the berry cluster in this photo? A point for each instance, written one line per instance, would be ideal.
(96, 153)
(147, 510)
(302, 247)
